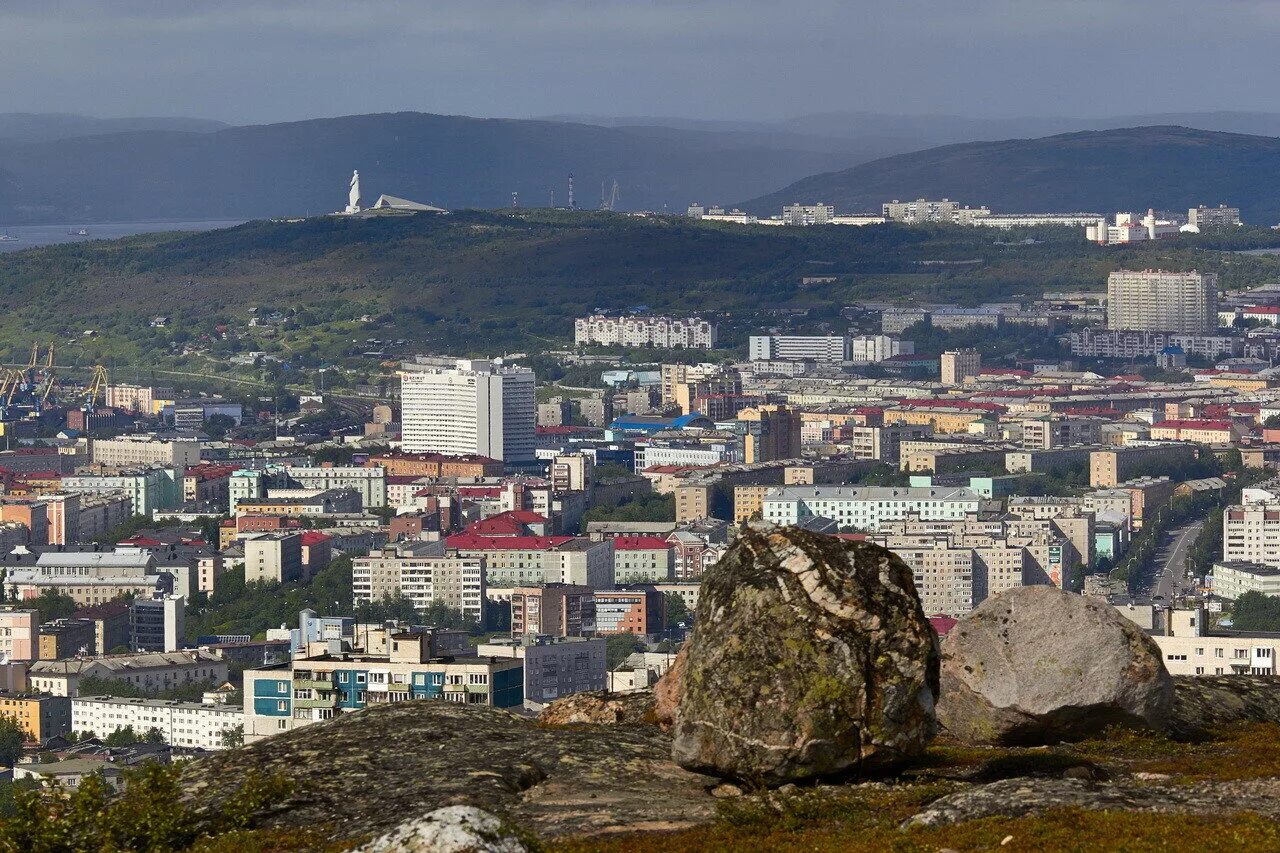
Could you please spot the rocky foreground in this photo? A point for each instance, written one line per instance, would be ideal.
(812, 709)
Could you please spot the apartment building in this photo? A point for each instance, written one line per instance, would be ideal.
(674, 375)
(468, 407)
(144, 450)
(642, 559)
(1159, 301)
(65, 638)
(1202, 217)
(554, 667)
(1046, 433)
(1232, 579)
(640, 610)
(883, 443)
(866, 507)
(638, 331)
(143, 399)
(1115, 465)
(446, 577)
(830, 348)
(369, 482)
(437, 465)
(924, 210)
(40, 717)
(157, 624)
(19, 634)
(307, 690)
(272, 557)
(808, 214)
(1190, 648)
(147, 488)
(88, 577)
(111, 625)
(1251, 534)
(186, 724)
(770, 433)
(958, 365)
(1200, 431)
(555, 609)
(512, 561)
(873, 349)
(148, 671)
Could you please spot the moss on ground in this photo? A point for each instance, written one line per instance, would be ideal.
(857, 821)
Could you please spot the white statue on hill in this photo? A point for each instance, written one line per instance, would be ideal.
(353, 197)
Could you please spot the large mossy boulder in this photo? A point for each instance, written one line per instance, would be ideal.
(1036, 665)
(811, 657)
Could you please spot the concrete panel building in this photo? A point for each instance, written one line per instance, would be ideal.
(1159, 301)
(468, 407)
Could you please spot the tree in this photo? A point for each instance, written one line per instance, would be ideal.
(124, 736)
(153, 735)
(12, 736)
(677, 610)
(1254, 611)
(619, 647)
(218, 425)
(54, 605)
(231, 738)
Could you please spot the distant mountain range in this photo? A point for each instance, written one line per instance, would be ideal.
(301, 168)
(915, 132)
(43, 127)
(1168, 168)
(76, 169)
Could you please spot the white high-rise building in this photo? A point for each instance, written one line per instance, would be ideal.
(871, 349)
(834, 348)
(1158, 301)
(461, 407)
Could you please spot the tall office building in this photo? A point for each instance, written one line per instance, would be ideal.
(958, 364)
(485, 408)
(1158, 301)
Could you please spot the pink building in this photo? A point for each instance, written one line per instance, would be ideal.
(19, 634)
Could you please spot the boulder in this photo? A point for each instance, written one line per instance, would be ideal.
(452, 829)
(666, 693)
(811, 657)
(600, 707)
(1036, 665)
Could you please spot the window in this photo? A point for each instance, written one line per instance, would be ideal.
(1217, 653)
(282, 705)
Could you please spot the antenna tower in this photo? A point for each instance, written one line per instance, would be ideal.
(571, 204)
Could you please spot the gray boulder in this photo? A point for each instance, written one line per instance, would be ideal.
(1036, 665)
(811, 657)
(453, 829)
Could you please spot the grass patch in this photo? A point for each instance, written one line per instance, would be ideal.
(869, 823)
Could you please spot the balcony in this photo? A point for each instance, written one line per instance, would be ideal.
(331, 702)
(313, 683)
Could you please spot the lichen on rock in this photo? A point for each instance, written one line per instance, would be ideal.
(811, 657)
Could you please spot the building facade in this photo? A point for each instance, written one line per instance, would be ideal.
(1159, 301)
(483, 408)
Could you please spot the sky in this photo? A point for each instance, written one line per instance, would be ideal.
(256, 61)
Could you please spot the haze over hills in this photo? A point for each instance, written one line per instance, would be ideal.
(43, 127)
(1168, 168)
(301, 168)
(913, 132)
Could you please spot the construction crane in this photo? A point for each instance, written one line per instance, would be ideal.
(97, 385)
(610, 201)
(49, 378)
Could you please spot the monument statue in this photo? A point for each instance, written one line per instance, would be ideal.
(353, 198)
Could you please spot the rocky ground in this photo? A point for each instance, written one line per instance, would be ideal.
(813, 709)
(613, 787)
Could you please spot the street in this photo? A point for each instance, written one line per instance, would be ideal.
(1169, 580)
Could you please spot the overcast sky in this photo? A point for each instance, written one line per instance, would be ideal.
(269, 60)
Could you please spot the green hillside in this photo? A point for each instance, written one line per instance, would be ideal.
(497, 282)
(1168, 168)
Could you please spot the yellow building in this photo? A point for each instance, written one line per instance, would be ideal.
(41, 717)
(943, 420)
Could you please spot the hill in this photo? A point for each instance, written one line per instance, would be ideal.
(301, 168)
(489, 282)
(1168, 168)
(43, 127)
